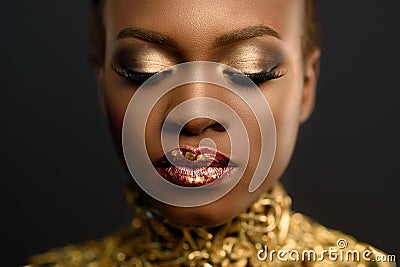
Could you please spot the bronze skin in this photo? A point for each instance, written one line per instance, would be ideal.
(261, 38)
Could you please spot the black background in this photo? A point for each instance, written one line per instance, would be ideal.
(61, 181)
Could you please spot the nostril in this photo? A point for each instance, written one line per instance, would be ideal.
(189, 132)
(217, 127)
(193, 127)
(186, 132)
(199, 125)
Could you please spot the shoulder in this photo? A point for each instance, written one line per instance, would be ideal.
(97, 253)
(332, 247)
(70, 255)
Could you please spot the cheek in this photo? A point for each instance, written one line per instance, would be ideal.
(117, 98)
(284, 101)
(286, 110)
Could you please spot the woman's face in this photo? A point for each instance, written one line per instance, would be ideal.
(252, 36)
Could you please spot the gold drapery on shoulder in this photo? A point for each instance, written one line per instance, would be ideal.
(254, 238)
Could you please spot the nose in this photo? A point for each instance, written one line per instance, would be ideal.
(194, 110)
(199, 125)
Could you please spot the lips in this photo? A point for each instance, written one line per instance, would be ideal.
(189, 167)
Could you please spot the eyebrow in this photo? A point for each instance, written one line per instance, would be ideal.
(147, 35)
(245, 34)
(223, 40)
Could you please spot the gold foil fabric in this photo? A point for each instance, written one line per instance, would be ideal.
(268, 224)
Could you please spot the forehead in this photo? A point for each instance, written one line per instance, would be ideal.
(199, 22)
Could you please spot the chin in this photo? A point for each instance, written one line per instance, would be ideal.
(199, 216)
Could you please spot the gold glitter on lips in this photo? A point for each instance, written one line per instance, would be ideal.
(204, 167)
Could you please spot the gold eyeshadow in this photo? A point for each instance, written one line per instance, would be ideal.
(251, 58)
(144, 59)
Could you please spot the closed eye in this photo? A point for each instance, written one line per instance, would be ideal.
(135, 77)
(259, 77)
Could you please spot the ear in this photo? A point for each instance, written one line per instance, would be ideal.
(311, 73)
(99, 72)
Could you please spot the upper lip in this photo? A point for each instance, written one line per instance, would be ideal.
(194, 158)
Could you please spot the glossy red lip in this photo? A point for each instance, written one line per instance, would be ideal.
(189, 167)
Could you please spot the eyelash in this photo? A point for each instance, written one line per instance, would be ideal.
(135, 77)
(138, 78)
(257, 78)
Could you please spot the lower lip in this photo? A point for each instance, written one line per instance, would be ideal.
(190, 177)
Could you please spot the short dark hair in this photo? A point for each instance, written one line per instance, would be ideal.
(312, 30)
(97, 32)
